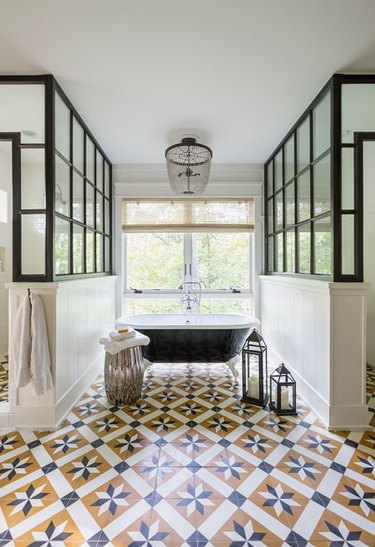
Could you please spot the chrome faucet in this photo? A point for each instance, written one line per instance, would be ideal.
(191, 300)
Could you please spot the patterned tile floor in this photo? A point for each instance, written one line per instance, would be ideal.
(3, 378)
(187, 465)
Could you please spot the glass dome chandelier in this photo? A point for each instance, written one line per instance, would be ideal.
(188, 164)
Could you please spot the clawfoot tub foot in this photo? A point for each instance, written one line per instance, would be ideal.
(232, 364)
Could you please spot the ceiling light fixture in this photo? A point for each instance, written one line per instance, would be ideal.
(188, 164)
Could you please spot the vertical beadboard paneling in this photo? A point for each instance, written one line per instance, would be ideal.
(318, 330)
(78, 313)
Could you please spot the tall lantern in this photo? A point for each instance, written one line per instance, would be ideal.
(283, 391)
(254, 370)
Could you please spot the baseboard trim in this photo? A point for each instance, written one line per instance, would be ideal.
(70, 398)
(334, 417)
(37, 419)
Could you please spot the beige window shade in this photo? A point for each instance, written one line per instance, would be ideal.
(187, 215)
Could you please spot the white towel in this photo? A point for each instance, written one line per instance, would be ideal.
(40, 361)
(20, 344)
(29, 345)
(122, 335)
(113, 346)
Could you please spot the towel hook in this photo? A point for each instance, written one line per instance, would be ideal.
(29, 294)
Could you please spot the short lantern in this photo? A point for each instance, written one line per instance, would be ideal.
(283, 391)
(254, 370)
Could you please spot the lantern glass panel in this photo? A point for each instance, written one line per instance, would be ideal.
(253, 378)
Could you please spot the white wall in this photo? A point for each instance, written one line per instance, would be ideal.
(318, 330)
(226, 180)
(369, 247)
(78, 313)
(5, 239)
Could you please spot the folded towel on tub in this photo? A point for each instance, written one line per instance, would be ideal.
(115, 346)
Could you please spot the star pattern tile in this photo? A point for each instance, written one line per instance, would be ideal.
(187, 465)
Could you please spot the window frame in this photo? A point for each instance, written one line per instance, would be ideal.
(105, 231)
(271, 237)
(176, 293)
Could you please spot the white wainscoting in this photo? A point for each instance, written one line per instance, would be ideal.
(318, 330)
(78, 313)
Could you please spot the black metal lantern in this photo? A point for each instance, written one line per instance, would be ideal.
(283, 391)
(254, 370)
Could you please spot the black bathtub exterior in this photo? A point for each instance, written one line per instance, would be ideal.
(193, 345)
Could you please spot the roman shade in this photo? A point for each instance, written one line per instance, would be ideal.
(187, 215)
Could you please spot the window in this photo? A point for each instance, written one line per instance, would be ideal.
(298, 197)
(82, 199)
(214, 248)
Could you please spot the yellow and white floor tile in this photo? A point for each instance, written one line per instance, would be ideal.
(189, 465)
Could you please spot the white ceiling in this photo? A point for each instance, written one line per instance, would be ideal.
(237, 72)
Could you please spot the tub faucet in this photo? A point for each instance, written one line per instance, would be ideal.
(191, 300)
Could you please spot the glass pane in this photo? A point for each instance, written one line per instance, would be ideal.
(99, 253)
(270, 254)
(78, 257)
(270, 178)
(99, 170)
(323, 246)
(322, 185)
(278, 170)
(303, 145)
(279, 253)
(62, 246)
(107, 180)
(279, 213)
(22, 110)
(222, 260)
(227, 305)
(304, 249)
(90, 255)
(303, 197)
(78, 212)
(62, 186)
(322, 126)
(90, 159)
(152, 305)
(347, 178)
(107, 217)
(358, 109)
(78, 145)
(290, 251)
(33, 193)
(290, 204)
(289, 159)
(62, 127)
(33, 241)
(155, 260)
(99, 212)
(107, 256)
(89, 205)
(347, 244)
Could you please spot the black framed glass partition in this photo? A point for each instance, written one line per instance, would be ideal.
(83, 197)
(313, 196)
(62, 194)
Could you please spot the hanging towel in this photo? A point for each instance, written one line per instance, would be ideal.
(40, 361)
(29, 344)
(21, 343)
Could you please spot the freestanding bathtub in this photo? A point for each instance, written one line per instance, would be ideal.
(193, 337)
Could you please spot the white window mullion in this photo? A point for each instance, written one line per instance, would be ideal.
(188, 257)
